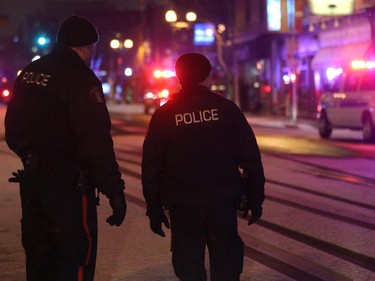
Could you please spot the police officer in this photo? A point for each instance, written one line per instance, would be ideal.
(192, 154)
(58, 124)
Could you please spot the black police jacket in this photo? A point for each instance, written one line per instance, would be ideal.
(194, 148)
(58, 112)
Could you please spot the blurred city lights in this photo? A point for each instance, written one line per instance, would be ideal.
(157, 73)
(6, 93)
(171, 16)
(106, 87)
(221, 28)
(293, 77)
(115, 44)
(331, 7)
(128, 71)
(286, 79)
(191, 16)
(35, 58)
(168, 73)
(163, 73)
(128, 43)
(42, 40)
(332, 72)
(164, 93)
(204, 34)
(289, 78)
(360, 64)
(149, 95)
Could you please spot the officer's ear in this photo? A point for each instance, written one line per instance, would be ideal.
(79, 50)
(85, 52)
(207, 81)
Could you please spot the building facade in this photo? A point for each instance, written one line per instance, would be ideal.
(282, 53)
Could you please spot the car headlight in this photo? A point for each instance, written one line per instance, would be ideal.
(149, 95)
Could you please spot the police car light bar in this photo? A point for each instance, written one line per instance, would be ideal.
(361, 64)
(163, 73)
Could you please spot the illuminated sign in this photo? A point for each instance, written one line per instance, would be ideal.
(331, 7)
(274, 15)
(204, 34)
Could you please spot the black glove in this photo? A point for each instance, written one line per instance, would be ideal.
(118, 205)
(158, 217)
(17, 176)
(256, 213)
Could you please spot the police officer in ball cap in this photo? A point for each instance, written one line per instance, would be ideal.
(193, 153)
(58, 124)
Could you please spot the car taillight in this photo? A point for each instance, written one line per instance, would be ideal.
(5, 93)
(149, 95)
(163, 94)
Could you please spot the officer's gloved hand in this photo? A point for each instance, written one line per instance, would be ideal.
(157, 218)
(118, 205)
(256, 213)
(17, 176)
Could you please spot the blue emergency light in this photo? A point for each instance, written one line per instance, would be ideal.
(204, 34)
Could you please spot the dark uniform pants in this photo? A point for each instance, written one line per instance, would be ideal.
(213, 225)
(59, 230)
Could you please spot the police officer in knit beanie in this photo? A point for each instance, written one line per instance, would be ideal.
(192, 68)
(63, 167)
(193, 151)
(77, 31)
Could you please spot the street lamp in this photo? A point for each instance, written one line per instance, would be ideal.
(128, 44)
(116, 61)
(191, 16)
(115, 44)
(181, 29)
(170, 16)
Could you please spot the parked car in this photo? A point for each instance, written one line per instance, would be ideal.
(160, 86)
(350, 103)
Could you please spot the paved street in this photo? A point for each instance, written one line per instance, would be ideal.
(130, 252)
(310, 184)
(127, 253)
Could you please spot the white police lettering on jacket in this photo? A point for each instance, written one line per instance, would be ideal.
(35, 78)
(207, 115)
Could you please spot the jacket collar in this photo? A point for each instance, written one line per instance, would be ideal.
(193, 90)
(67, 53)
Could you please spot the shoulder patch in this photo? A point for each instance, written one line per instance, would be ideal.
(97, 95)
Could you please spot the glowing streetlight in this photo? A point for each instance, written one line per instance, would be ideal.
(128, 44)
(171, 16)
(191, 16)
(221, 28)
(115, 44)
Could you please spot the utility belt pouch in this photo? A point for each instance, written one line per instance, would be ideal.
(82, 182)
(31, 162)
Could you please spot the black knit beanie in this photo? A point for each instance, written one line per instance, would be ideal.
(192, 68)
(77, 31)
